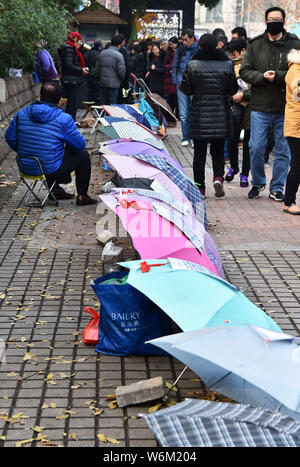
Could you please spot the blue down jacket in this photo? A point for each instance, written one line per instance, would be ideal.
(41, 130)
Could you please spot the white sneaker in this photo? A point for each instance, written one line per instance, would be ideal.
(192, 144)
(185, 143)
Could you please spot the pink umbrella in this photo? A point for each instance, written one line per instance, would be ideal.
(129, 167)
(129, 146)
(152, 235)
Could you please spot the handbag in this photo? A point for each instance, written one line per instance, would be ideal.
(128, 318)
(90, 334)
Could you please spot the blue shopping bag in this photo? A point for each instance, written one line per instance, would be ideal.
(127, 318)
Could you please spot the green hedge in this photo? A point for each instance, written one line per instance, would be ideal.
(22, 24)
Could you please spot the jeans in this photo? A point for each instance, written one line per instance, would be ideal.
(260, 124)
(217, 156)
(80, 162)
(184, 106)
(108, 96)
(293, 178)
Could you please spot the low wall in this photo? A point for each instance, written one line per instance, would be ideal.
(15, 93)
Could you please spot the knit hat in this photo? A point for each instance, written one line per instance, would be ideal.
(74, 35)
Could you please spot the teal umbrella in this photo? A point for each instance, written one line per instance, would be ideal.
(109, 131)
(194, 297)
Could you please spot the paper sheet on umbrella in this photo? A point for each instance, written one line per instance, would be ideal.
(179, 264)
(132, 130)
(171, 216)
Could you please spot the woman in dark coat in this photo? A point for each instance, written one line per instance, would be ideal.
(170, 90)
(73, 71)
(156, 71)
(209, 77)
(137, 62)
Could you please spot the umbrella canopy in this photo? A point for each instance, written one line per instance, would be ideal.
(202, 423)
(128, 112)
(128, 167)
(249, 364)
(131, 146)
(179, 213)
(134, 130)
(109, 131)
(194, 297)
(182, 181)
(160, 106)
(154, 235)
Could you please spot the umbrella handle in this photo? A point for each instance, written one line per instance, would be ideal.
(166, 396)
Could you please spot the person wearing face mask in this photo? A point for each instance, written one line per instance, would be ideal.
(264, 67)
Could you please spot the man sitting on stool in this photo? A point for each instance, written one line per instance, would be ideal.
(43, 129)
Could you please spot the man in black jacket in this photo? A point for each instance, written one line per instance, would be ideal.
(264, 67)
(90, 59)
(73, 71)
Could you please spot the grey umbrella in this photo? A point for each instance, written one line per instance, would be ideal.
(203, 423)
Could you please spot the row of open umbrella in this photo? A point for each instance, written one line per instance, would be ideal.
(234, 347)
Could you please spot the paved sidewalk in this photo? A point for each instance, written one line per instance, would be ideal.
(51, 383)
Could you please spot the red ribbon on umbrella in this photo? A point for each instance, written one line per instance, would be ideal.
(145, 267)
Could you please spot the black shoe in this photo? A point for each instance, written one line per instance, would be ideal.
(61, 194)
(230, 174)
(255, 191)
(276, 195)
(84, 200)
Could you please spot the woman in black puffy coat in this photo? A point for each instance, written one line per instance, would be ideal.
(209, 77)
(73, 71)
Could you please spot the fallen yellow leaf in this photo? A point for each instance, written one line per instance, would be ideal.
(113, 441)
(154, 408)
(170, 386)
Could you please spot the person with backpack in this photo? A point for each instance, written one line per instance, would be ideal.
(90, 58)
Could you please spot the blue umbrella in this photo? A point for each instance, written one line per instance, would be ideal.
(251, 365)
(204, 423)
(194, 297)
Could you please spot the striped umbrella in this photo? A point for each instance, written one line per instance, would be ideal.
(203, 423)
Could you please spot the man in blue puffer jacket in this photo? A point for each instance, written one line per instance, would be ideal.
(43, 129)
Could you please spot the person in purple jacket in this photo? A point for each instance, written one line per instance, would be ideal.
(44, 130)
(44, 64)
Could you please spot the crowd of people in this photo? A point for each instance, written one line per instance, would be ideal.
(222, 91)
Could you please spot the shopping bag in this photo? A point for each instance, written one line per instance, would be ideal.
(90, 334)
(128, 318)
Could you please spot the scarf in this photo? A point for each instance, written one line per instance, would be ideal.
(79, 54)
